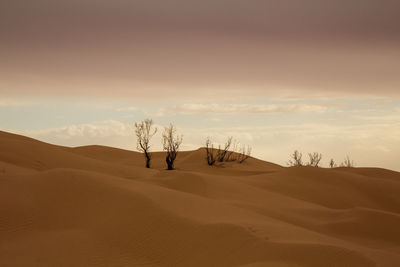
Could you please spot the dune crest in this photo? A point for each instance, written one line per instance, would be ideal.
(99, 206)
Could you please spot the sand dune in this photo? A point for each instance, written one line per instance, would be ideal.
(98, 206)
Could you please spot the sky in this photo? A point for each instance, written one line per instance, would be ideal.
(312, 75)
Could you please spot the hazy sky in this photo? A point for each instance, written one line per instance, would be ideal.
(280, 75)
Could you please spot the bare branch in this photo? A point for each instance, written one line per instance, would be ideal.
(231, 155)
(223, 152)
(144, 133)
(171, 143)
(244, 154)
(332, 164)
(347, 163)
(315, 159)
(211, 158)
(296, 159)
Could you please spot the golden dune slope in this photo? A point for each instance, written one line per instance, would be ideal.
(98, 206)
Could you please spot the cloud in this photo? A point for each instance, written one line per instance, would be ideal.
(129, 116)
(109, 132)
(157, 114)
(245, 108)
(127, 109)
(92, 130)
(6, 102)
(381, 118)
(214, 119)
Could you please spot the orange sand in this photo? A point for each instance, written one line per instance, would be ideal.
(99, 206)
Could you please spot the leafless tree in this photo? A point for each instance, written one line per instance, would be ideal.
(347, 163)
(315, 159)
(244, 153)
(224, 151)
(171, 144)
(296, 159)
(144, 133)
(332, 164)
(211, 157)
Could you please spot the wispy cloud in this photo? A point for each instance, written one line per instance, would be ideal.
(245, 108)
(109, 132)
(7, 102)
(381, 118)
(156, 114)
(127, 109)
(91, 130)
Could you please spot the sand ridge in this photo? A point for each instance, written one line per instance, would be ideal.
(99, 206)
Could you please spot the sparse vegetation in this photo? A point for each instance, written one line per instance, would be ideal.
(332, 164)
(229, 152)
(144, 132)
(171, 143)
(296, 159)
(315, 159)
(232, 154)
(244, 154)
(347, 163)
(211, 157)
(223, 152)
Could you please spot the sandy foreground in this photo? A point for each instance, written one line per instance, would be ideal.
(98, 206)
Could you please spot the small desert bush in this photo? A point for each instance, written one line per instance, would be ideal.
(296, 159)
(314, 159)
(347, 163)
(229, 152)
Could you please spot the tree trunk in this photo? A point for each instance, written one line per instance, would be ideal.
(147, 160)
(170, 164)
(148, 163)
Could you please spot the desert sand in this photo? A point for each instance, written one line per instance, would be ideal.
(99, 206)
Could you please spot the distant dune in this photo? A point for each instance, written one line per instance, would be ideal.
(99, 206)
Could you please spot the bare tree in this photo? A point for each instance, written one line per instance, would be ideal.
(144, 133)
(296, 159)
(171, 143)
(315, 159)
(332, 164)
(347, 163)
(224, 151)
(243, 154)
(211, 157)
